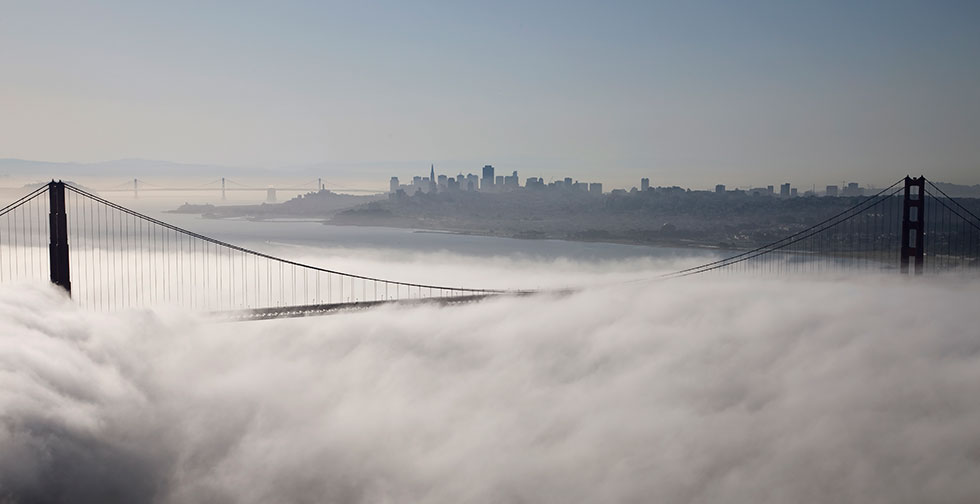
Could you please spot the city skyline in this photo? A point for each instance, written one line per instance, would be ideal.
(341, 177)
(489, 181)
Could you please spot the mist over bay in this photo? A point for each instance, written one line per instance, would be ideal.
(782, 391)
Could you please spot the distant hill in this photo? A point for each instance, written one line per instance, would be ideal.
(959, 190)
(317, 205)
(117, 167)
(363, 174)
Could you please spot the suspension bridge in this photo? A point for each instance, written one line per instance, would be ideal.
(109, 257)
(226, 185)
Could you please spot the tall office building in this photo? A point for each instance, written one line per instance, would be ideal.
(432, 179)
(393, 185)
(487, 182)
(784, 190)
(644, 184)
(853, 189)
(511, 181)
(720, 188)
(595, 188)
(831, 190)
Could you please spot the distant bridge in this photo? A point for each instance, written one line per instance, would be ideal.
(109, 257)
(224, 185)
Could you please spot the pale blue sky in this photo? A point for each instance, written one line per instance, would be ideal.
(687, 93)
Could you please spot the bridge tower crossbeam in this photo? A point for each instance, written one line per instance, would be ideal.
(913, 225)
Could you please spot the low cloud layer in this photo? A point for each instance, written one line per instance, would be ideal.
(698, 390)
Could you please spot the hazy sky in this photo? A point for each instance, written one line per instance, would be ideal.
(687, 93)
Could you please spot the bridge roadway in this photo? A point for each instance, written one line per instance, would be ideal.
(332, 308)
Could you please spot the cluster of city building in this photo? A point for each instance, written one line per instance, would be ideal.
(786, 191)
(490, 182)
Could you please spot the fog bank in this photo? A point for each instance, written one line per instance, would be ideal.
(697, 390)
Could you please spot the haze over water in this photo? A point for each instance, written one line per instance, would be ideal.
(693, 390)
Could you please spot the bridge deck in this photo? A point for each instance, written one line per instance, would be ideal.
(314, 310)
(331, 308)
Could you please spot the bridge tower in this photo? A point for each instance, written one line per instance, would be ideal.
(913, 224)
(58, 246)
(222, 188)
(136, 193)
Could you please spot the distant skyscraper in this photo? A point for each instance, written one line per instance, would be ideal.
(393, 185)
(487, 182)
(644, 184)
(432, 172)
(831, 190)
(720, 188)
(595, 188)
(852, 189)
(784, 190)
